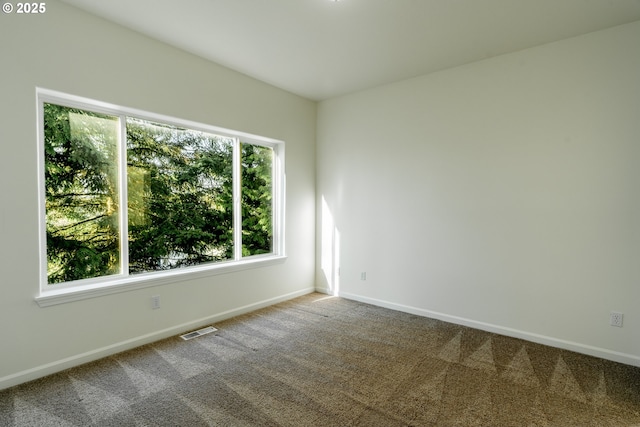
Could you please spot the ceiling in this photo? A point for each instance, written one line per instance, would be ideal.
(320, 49)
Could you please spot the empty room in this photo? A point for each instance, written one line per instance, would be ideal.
(355, 212)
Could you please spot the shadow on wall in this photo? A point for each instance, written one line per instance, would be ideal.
(330, 251)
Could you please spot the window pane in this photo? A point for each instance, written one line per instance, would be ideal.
(179, 195)
(257, 193)
(81, 187)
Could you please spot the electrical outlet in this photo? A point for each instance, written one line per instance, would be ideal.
(155, 302)
(615, 319)
(363, 275)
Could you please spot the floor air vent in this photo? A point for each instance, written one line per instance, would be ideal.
(199, 332)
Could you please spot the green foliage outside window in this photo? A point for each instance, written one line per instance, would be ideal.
(181, 206)
(179, 196)
(257, 194)
(81, 174)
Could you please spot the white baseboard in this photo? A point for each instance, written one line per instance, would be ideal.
(323, 290)
(80, 359)
(628, 359)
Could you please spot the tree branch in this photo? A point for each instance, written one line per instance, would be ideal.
(82, 222)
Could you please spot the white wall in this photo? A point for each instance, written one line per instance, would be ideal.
(502, 194)
(70, 51)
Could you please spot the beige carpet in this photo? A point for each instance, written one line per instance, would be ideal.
(323, 361)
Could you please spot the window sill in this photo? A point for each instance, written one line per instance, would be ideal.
(64, 295)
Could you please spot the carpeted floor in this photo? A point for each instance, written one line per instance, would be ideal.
(324, 361)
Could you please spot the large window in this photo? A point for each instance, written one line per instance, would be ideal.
(127, 193)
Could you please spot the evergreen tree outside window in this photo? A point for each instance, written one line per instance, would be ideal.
(257, 197)
(128, 194)
(82, 194)
(180, 209)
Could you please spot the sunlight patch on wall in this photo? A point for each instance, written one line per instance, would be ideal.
(330, 252)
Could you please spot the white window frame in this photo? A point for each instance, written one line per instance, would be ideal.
(93, 287)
